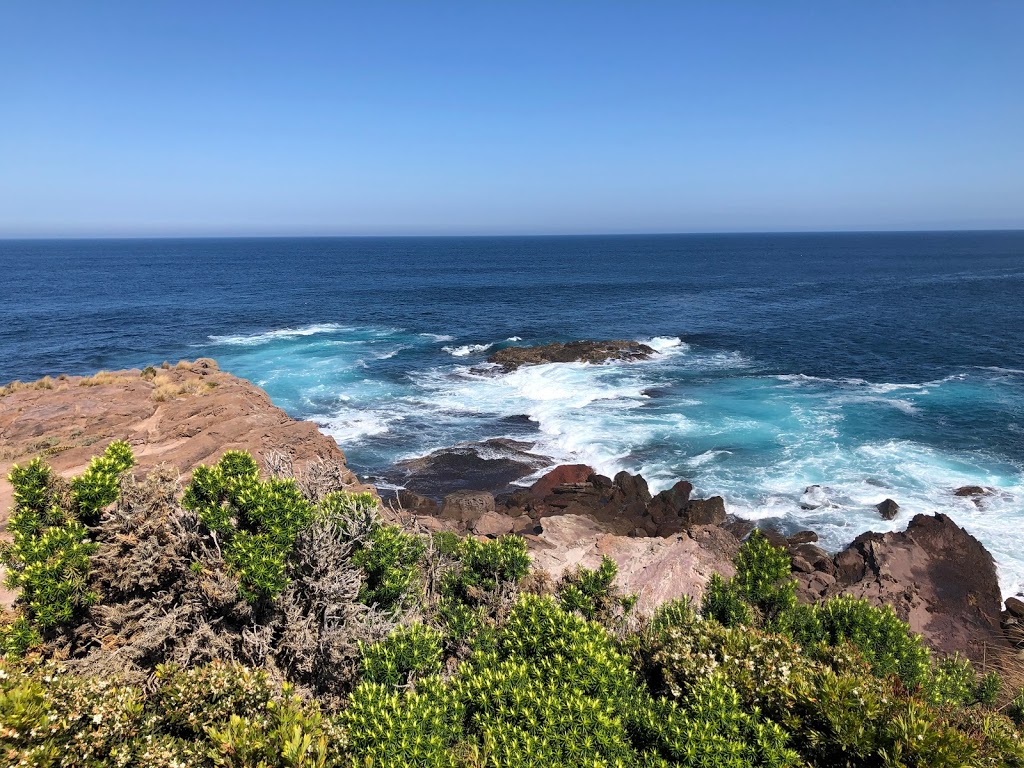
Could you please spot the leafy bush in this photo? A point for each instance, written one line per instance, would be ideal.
(483, 566)
(592, 593)
(411, 652)
(259, 520)
(723, 601)
(390, 560)
(884, 640)
(97, 487)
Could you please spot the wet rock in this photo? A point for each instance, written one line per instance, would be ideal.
(802, 537)
(775, 537)
(633, 487)
(490, 465)
(814, 497)
(512, 358)
(887, 509)
(738, 527)
(1015, 607)
(705, 511)
(972, 490)
(466, 506)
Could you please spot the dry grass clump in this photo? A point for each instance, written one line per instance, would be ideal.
(17, 386)
(103, 377)
(167, 389)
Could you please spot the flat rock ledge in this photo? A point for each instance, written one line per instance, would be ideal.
(512, 358)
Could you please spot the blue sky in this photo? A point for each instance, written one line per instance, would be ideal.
(223, 118)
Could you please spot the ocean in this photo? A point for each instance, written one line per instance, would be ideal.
(872, 365)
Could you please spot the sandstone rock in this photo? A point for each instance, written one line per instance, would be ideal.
(512, 358)
(1015, 607)
(561, 475)
(657, 569)
(413, 502)
(466, 506)
(493, 524)
(184, 416)
(887, 509)
(935, 575)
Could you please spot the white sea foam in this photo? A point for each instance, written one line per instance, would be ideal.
(664, 344)
(513, 338)
(438, 337)
(350, 425)
(467, 349)
(282, 333)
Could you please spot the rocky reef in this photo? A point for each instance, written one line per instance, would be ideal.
(512, 358)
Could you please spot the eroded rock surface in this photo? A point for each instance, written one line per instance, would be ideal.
(185, 416)
(935, 575)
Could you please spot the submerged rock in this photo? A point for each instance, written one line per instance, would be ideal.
(512, 358)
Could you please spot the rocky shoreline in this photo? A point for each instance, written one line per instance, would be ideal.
(935, 575)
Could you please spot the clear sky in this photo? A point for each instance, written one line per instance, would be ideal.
(223, 118)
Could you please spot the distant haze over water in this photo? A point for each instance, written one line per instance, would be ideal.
(873, 365)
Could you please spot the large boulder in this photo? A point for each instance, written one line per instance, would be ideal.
(466, 506)
(887, 509)
(512, 358)
(565, 474)
(935, 575)
(656, 569)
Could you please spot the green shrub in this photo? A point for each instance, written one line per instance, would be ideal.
(258, 520)
(483, 566)
(390, 560)
(592, 593)
(18, 637)
(409, 653)
(884, 640)
(764, 577)
(724, 602)
(1015, 710)
(99, 485)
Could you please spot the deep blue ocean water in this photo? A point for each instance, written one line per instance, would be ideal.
(873, 365)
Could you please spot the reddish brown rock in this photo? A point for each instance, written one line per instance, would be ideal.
(887, 509)
(935, 575)
(565, 474)
(185, 415)
(466, 506)
(493, 524)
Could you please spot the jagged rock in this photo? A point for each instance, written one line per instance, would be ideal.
(633, 487)
(935, 575)
(1015, 607)
(887, 509)
(493, 524)
(705, 511)
(512, 358)
(775, 537)
(466, 506)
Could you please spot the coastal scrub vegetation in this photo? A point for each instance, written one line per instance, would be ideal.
(254, 619)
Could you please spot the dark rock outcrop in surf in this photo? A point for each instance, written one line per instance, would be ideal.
(512, 358)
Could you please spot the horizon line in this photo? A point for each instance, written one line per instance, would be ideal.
(481, 235)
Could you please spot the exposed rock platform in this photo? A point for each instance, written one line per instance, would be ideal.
(512, 358)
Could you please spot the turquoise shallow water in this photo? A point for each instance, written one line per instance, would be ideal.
(873, 366)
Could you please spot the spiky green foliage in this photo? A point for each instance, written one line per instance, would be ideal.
(592, 592)
(485, 565)
(411, 652)
(97, 487)
(48, 558)
(258, 520)
(390, 560)
(884, 640)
